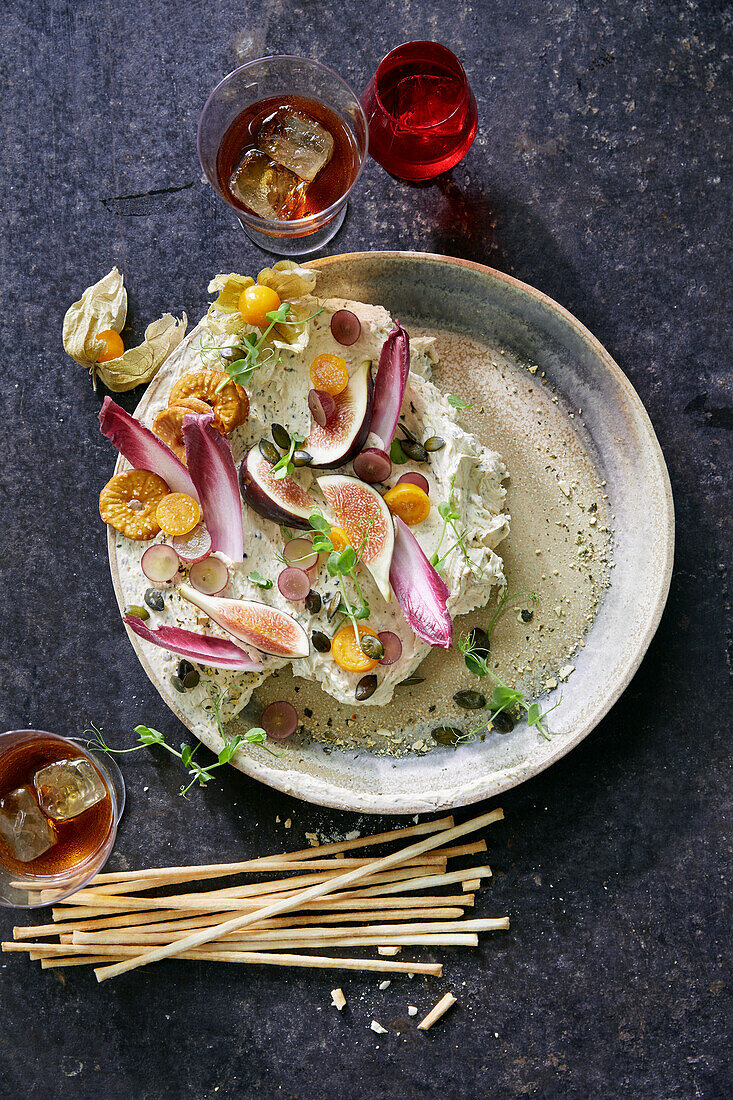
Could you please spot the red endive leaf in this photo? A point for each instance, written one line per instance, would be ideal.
(418, 589)
(211, 466)
(205, 650)
(390, 384)
(142, 449)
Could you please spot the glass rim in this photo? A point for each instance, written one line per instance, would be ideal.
(79, 870)
(298, 224)
(437, 122)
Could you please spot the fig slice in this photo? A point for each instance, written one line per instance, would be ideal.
(361, 512)
(343, 435)
(284, 501)
(265, 628)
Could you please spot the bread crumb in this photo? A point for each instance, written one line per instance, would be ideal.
(288, 823)
(378, 1028)
(337, 999)
(389, 950)
(411, 1010)
(385, 984)
(313, 840)
(565, 671)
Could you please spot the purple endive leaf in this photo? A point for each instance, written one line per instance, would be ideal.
(211, 466)
(142, 449)
(389, 387)
(205, 650)
(418, 589)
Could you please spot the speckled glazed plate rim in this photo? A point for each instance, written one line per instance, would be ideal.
(313, 788)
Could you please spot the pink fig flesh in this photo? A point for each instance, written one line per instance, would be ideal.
(284, 501)
(332, 444)
(265, 628)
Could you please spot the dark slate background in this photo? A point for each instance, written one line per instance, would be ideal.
(599, 176)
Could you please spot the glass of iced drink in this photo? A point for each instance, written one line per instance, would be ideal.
(59, 809)
(282, 140)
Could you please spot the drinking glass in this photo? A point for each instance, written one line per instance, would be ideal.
(268, 78)
(421, 111)
(22, 888)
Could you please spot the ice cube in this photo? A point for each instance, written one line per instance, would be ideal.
(297, 142)
(23, 828)
(267, 188)
(68, 788)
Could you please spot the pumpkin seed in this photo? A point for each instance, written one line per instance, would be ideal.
(435, 443)
(302, 458)
(333, 606)
(313, 603)
(138, 611)
(410, 681)
(154, 599)
(269, 452)
(414, 450)
(502, 722)
(372, 647)
(480, 644)
(366, 687)
(470, 700)
(321, 641)
(281, 437)
(446, 735)
(527, 615)
(184, 667)
(178, 684)
(192, 679)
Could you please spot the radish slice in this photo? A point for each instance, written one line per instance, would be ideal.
(392, 647)
(416, 479)
(345, 327)
(279, 720)
(210, 576)
(373, 465)
(160, 563)
(193, 547)
(300, 552)
(294, 584)
(322, 406)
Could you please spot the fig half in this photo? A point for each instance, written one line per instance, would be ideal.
(283, 501)
(363, 515)
(265, 628)
(343, 435)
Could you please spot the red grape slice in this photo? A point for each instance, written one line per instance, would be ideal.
(392, 647)
(209, 576)
(322, 406)
(279, 720)
(416, 479)
(300, 552)
(193, 547)
(373, 465)
(160, 563)
(345, 327)
(294, 584)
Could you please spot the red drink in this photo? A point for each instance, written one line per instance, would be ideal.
(421, 111)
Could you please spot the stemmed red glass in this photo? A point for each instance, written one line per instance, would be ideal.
(421, 111)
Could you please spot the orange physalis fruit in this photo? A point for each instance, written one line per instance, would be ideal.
(329, 374)
(178, 513)
(113, 346)
(256, 302)
(129, 503)
(347, 654)
(339, 538)
(409, 502)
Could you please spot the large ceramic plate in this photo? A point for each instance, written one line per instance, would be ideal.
(543, 350)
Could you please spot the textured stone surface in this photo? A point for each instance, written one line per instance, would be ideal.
(599, 176)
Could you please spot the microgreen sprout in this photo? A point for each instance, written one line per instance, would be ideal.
(241, 369)
(457, 402)
(448, 512)
(503, 698)
(199, 773)
(341, 564)
(259, 580)
(505, 601)
(284, 466)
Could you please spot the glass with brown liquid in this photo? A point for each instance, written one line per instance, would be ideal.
(59, 809)
(282, 140)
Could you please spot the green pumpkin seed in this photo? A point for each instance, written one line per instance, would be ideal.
(313, 603)
(138, 611)
(372, 647)
(281, 437)
(302, 458)
(269, 452)
(366, 687)
(435, 443)
(178, 684)
(333, 606)
(502, 722)
(480, 644)
(446, 735)
(154, 599)
(470, 700)
(321, 641)
(411, 681)
(191, 679)
(414, 450)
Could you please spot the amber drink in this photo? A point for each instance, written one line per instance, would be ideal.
(59, 807)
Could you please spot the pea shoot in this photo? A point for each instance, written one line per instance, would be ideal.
(241, 370)
(448, 512)
(457, 402)
(341, 564)
(284, 466)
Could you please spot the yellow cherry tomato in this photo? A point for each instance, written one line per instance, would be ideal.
(329, 374)
(409, 502)
(113, 346)
(178, 513)
(347, 654)
(339, 538)
(256, 302)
